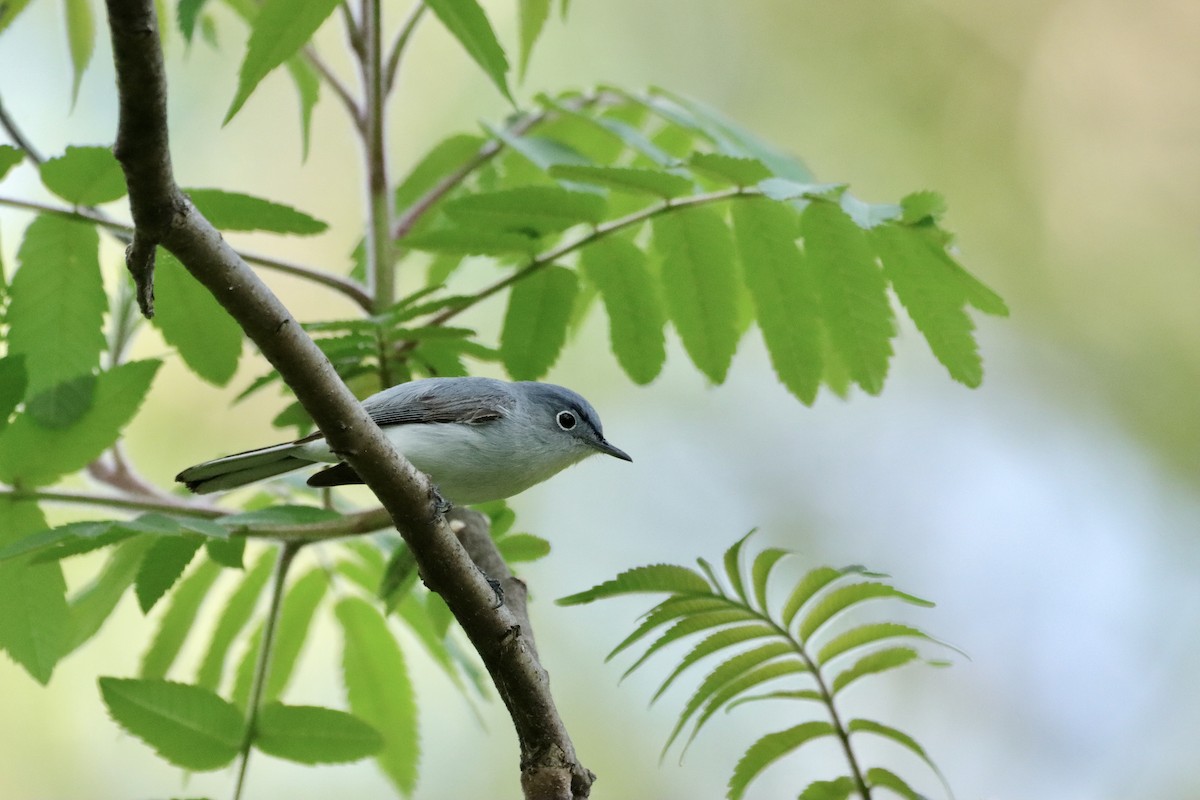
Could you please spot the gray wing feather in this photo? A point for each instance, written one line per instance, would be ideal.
(471, 400)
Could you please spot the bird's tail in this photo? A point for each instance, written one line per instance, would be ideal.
(240, 469)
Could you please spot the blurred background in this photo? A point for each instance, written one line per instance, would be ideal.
(1051, 514)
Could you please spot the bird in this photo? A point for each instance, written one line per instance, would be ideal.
(478, 439)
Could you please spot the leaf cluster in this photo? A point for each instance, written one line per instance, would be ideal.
(803, 650)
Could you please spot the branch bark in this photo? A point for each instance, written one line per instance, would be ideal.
(164, 217)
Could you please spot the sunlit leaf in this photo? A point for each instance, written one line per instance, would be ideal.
(529, 210)
(36, 621)
(191, 320)
(535, 324)
(813, 581)
(9, 12)
(314, 735)
(164, 562)
(689, 625)
(735, 170)
(234, 211)
(771, 748)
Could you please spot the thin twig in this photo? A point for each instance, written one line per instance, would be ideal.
(18, 138)
(380, 264)
(179, 507)
(399, 46)
(335, 83)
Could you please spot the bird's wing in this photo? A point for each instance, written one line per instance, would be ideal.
(414, 403)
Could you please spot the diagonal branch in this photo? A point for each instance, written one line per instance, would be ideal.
(163, 215)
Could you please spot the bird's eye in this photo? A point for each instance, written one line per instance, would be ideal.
(566, 420)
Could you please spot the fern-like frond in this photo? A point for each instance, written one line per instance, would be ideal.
(640, 580)
(771, 748)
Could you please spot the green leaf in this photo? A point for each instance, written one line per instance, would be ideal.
(36, 621)
(314, 735)
(194, 323)
(9, 12)
(873, 663)
(263, 519)
(640, 580)
(542, 152)
(226, 552)
(188, 726)
(864, 635)
(84, 176)
(81, 39)
(57, 302)
(237, 613)
(700, 283)
(813, 581)
(837, 789)
(735, 170)
(727, 615)
(784, 291)
(187, 12)
(233, 211)
(882, 778)
(532, 16)
(308, 92)
(243, 679)
(164, 563)
(625, 179)
(379, 690)
(9, 156)
(713, 643)
(466, 22)
(471, 242)
(523, 547)
(178, 620)
(535, 325)
(280, 29)
(62, 405)
(65, 540)
(92, 605)
(446, 158)
(733, 566)
(760, 573)
(12, 386)
(727, 694)
(934, 298)
(37, 456)
(295, 618)
(922, 207)
(843, 597)
(771, 748)
(528, 210)
(898, 736)
(670, 609)
(853, 292)
(635, 309)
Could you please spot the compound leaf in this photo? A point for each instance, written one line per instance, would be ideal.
(653, 578)
(771, 748)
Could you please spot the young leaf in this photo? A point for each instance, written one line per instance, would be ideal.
(165, 561)
(188, 726)
(9, 156)
(934, 298)
(784, 290)
(36, 622)
(535, 325)
(92, 605)
(733, 566)
(191, 320)
(295, 619)
(84, 176)
(178, 620)
(873, 663)
(57, 302)
(81, 39)
(653, 578)
(12, 386)
(281, 28)
(379, 690)
(625, 179)
(466, 22)
(233, 211)
(843, 597)
(237, 613)
(837, 789)
(700, 283)
(532, 15)
(528, 210)
(37, 456)
(853, 292)
(770, 748)
(635, 310)
(314, 735)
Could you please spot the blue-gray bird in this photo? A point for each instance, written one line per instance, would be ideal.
(478, 439)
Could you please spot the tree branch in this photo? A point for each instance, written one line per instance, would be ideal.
(163, 215)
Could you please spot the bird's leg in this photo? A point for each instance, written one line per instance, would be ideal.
(497, 587)
(440, 504)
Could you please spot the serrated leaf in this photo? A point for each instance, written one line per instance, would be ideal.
(295, 618)
(635, 308)
(864, 635)
(836, 789)
(880, 777)
(666, 185)
(852, 290)
(734, 170)
(466, 22)
(532, 16)
(36, 622)
(784, 291)
(728, 694)
(194, 323)
(233, 620)
(91, 606)
(81, 39)
(9, 156)
(922, 207)
(12, 386)
(843, 597)
(234, 211)
(733, 566)
(700, 284)
(785, 694)
(471, 242)
(178, 620)
(639, 580)
(760, 573)
(529, 210)
(771, 748)
(535, 325)
(308, 92)
(694, 623)
(62, 405)
(812, 582)
(933, 297)
(523, 547)
(162, 566)
(727, 671)
(314, 735)
(280, 29)
(188, 726)
(873, 663)
(714, 643)
(379, 689)
(542, 152)
(37, 456)
(670, 609)
(84, 176)
(57, 302)
(226, 552)
(888, 732)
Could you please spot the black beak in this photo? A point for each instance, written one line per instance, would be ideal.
(616, 452)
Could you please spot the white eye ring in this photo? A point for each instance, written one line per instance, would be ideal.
(566, 420)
